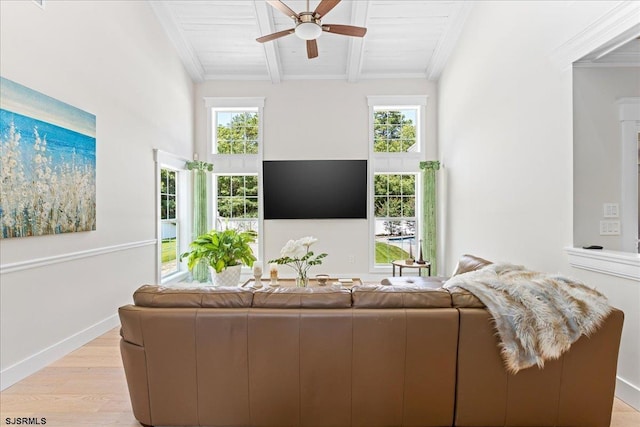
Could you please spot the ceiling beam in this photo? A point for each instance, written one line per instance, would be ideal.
(359, 12)
(449, 39)
(264, 16)
(185, 50)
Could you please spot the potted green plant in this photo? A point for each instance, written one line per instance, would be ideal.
(224, 252)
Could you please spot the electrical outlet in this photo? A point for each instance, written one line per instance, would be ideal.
(609, 228)
(351, 259)
(611, 210)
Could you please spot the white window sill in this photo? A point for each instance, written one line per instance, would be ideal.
(613, 263)
(178, 276)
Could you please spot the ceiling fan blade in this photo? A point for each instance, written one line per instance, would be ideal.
(324, 7)
(312, 49)
(274, 36)
(283, 8)
(346, 30)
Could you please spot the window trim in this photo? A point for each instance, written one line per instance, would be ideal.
(416, 217)
(214, 207)
(236, 164)
(164, 160)
(396, 163)
(233, 104)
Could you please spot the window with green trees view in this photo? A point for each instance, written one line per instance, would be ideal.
(236, 132)
(394, 130)
(236, 135)
(237, 203)
(395, 216)
(169, 221)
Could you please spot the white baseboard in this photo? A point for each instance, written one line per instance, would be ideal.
(628, 393)
(35, 362)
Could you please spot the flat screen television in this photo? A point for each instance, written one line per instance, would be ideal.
(314, 189)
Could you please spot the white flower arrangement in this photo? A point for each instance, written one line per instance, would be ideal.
(297, 255)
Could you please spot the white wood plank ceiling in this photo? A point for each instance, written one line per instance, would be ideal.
(216, 39)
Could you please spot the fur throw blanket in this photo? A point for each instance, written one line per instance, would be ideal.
(537, 316)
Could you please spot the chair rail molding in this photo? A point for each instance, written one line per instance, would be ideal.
(71, 256)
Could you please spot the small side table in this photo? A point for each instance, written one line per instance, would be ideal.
(403, 264)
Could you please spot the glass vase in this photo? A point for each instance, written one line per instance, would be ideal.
(302, 280)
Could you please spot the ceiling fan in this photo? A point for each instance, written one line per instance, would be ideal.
(309, 26)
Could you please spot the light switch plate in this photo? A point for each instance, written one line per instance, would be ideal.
(609, 228)
(611, 210)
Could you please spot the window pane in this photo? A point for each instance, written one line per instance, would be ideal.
(252, 207)
(251, 186)
(163, 207)
(394, 205)
(408, 185)
(409, 206)
(388, 246)
(224, 185)
(237, 186)
(236, 132)
(169, 248)
(380, 206)
(169, 224)
(394, 130)
(395, 184)
(171, 182)
(380, 183)
(238, 203)
(171, 207)
(395, 210)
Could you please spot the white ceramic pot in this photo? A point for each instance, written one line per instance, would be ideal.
(230, 276)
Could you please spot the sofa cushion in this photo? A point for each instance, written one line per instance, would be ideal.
(468, 263)
(205, 296)
(402, 296)
(461, 298)
(311, 297)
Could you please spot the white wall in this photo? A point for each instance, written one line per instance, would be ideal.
(318, 119)
(597, 147)
(505, 140)
(113, 60)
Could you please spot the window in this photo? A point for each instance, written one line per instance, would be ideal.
(169, 222)
(173, 228)
(396, 132)
(395, 217)
(236, 131)
(236, 152)
(237, 203)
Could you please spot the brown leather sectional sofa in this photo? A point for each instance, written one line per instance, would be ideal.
(370, 356)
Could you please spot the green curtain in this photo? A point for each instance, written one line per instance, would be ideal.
(429, 237)
(200, 204)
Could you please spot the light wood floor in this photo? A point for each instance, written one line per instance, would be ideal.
(87, 388)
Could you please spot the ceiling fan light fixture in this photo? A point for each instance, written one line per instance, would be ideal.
(308, 30)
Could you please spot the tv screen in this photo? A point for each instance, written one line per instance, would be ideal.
(314, 189)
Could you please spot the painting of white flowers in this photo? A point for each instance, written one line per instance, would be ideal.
(48, 174)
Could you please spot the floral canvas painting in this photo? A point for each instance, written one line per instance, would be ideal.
(48, 170)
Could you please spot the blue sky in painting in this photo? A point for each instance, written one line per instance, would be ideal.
(27, 102)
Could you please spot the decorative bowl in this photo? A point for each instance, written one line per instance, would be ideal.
(322, 279)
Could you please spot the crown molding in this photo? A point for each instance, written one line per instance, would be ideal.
(621, 21)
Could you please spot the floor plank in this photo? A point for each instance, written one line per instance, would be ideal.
(87, 388)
